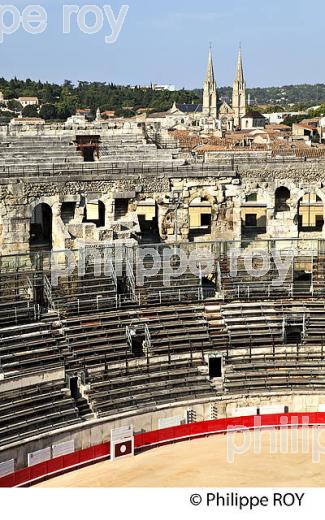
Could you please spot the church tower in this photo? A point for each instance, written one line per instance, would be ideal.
(210, 96)
(239, 93)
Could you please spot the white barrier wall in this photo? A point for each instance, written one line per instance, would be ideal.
(168, 422)
(6, 468)
(64, 448)
(277, 408)
(245, 411)
(36, 457)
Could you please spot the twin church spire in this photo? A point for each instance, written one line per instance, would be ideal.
(239, 93)
(210, 95)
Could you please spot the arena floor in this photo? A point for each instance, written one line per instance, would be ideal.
(203, 463)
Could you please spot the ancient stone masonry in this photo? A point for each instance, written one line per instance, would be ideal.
(224, 199)
(61, 205)
(303, 172)
(20, 200)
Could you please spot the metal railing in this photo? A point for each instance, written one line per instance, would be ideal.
(94, 169)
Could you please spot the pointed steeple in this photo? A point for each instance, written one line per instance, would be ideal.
(210, 71)
(240, 72)
(210, 95)
(239, 92)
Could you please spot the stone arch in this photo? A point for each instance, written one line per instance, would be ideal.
(301, 193)
(40, 200)
(203, 194)
(310, 211)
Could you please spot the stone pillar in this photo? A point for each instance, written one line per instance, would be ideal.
(15, 222)
(58, 231)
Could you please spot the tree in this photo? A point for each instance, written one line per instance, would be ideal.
(30, 111)
(14, 105)
(289, 121)
(48, 111)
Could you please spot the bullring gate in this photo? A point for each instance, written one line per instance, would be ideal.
(122, 442)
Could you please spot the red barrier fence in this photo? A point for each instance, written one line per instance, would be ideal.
(148, 440)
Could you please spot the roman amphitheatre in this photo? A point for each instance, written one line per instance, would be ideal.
(107, 348)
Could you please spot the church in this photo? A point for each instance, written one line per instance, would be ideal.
(213, 114)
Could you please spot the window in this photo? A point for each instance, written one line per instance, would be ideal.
(251, 198)
(205, 219)
(251, 220)
(310, 213)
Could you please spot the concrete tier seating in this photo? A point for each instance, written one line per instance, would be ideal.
(319, 276)
(275, 374)
(97, 339)
(175, 329)
(217, 326)
(16, 304)
(139, 387)
(31, 347)
(315, 324)
(42, 153)
(83, 294)
(167, 284)
(237, 282)
(253, 324)
(34, 410)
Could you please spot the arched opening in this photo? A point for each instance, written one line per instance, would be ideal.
(282, 195)
(41, 227)
(200, 215)
(310, 214)
(95, 213)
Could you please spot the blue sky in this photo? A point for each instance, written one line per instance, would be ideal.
(167, 42)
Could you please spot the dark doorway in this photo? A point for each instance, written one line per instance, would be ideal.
(302, 282)
(282, 195)
(89, 154)
(41, 227)
(101, 214)
(148, 221)
(293, 334)
(73, 383)
(121, 208)
(67, 211)
(88, 145)
(215, 367)
(137, 345)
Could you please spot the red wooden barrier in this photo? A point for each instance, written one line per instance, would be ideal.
(151, 439)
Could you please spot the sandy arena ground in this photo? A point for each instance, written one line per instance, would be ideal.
(203, 463)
